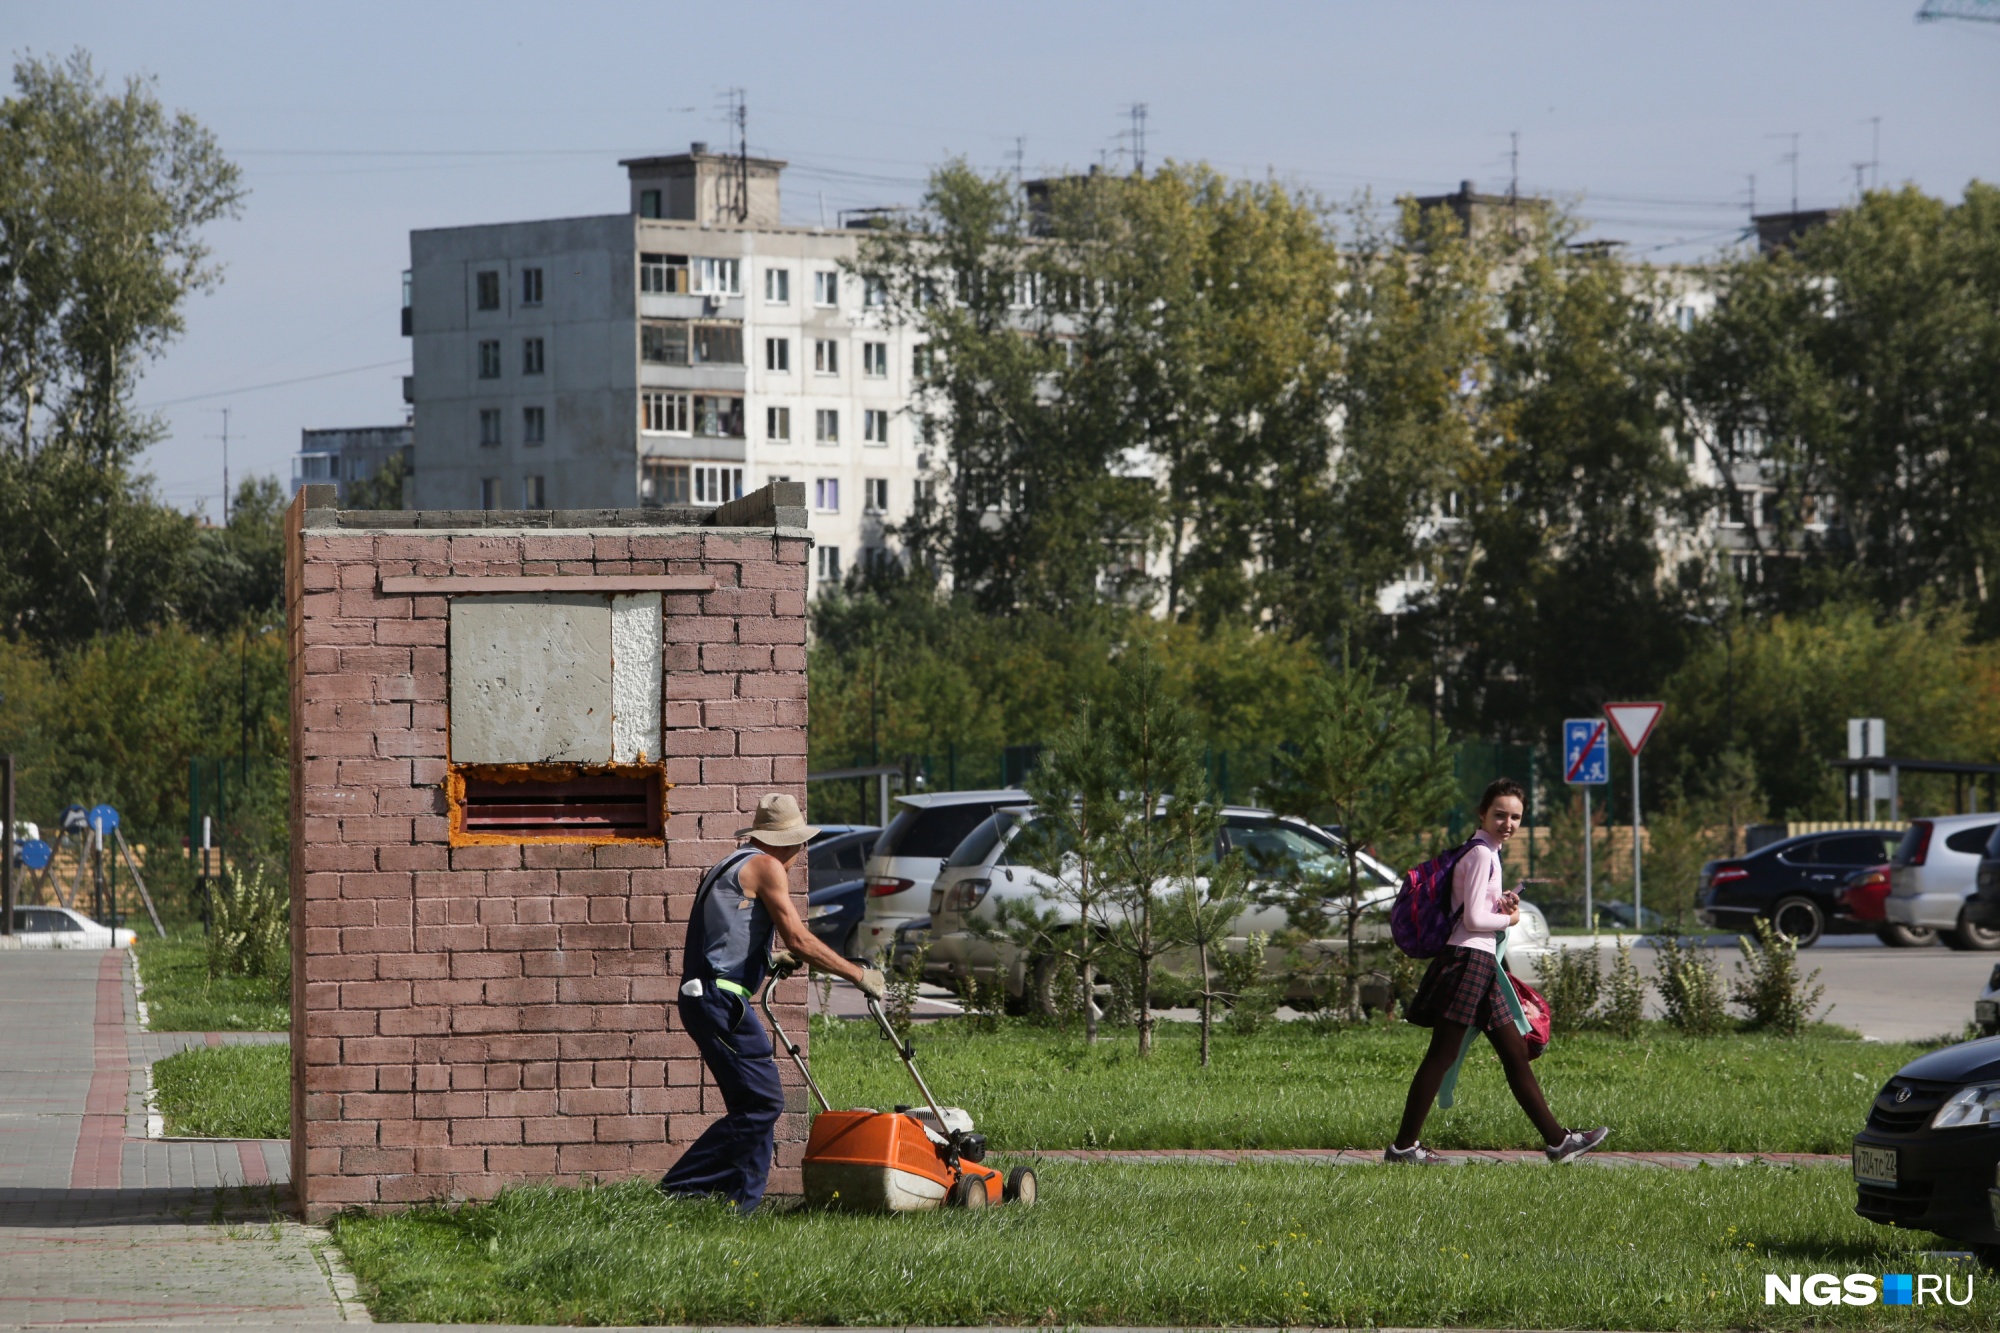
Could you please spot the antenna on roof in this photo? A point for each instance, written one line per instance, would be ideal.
(738, 115)
(1137, 134)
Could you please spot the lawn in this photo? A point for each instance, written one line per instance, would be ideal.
(1289, 1086)
(226, 1092)
(181, 997)
(1267, 1244)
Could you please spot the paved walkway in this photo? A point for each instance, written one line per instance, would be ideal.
(100, 1224)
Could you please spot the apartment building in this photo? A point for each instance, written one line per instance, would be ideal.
(344, 455)
(685, 351)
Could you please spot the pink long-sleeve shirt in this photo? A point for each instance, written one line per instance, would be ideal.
(1476, 888)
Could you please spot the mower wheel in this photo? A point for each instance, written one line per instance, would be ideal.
(1020, 1187)
(966, 1192)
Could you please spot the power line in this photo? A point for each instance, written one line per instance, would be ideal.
(273, 384)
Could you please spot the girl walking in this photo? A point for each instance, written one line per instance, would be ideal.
(1461, 992)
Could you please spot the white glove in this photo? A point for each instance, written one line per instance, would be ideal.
(873, 984)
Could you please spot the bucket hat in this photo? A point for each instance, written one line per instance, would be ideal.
(778, 822)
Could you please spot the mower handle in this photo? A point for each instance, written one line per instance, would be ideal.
(778, 974)
(908, 1052)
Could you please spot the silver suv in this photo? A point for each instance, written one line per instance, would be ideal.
(1935, 871)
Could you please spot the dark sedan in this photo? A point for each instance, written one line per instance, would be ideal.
(838, 894)
(1795, 883)
(1928, 1155)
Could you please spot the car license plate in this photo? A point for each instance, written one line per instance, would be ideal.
(1986, 1012)
(1874, 1166)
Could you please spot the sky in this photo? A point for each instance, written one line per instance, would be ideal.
(358, 122)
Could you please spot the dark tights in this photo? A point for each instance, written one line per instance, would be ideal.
(1513, 1049)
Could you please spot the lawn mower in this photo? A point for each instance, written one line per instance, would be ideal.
(901, 1161)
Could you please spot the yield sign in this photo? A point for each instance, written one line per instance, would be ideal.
(1635, 722)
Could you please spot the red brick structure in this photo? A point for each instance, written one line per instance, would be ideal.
(474, 1004)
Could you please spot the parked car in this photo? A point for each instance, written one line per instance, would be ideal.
(837, 893)
(1986, 1009)
(1983, 908)
(1926, 1159)
(981, 874)
(1934, 875)
(909, 854)
(1864, 903)
(61, 928)
(1794, 883)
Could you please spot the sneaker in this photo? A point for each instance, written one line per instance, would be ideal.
(1576, 1143)
(1414, 1155)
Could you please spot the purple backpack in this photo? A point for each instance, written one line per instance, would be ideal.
(1423, 917)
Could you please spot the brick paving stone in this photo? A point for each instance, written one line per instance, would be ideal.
(100, 1224)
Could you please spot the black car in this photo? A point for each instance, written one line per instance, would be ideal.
(1983, 907)
(837, 894)
(1794, 883)
(1928, 1156)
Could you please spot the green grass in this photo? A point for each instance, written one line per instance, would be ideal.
(1493, 1247)
(181, 997)
(226, 1092)
(1289, 1086)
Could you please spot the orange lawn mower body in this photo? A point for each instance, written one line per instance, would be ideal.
(897, 1161)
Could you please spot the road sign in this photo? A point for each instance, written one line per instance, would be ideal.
(1586, 752)
(103, 818)
(1635, 722)
(34, 853)
(75, 819)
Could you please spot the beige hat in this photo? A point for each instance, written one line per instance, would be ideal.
(778, 822)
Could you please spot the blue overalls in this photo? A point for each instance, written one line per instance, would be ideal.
(728, 955)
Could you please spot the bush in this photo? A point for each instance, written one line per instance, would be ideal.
(250, 934)
(1769, 987)
(1625, 1006)
(1240, 976)
(1690, 987)
(1572, 984)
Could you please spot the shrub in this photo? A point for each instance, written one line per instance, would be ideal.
(1240, 976)
(250, 934)
(1625, 1005)
(1572, 984)
(1690, 987)
(1769, 987)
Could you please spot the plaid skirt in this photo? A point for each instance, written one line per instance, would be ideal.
(1460, 986)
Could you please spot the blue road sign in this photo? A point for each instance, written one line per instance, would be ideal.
(103, 818)
(34, 853)
(1586, 752)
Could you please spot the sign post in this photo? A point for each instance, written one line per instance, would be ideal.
(1586, 764)
(1635, 723)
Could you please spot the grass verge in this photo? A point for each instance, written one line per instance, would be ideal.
(181, 997)
(1289, 1086)
(1493, 1247)
(226, 1092)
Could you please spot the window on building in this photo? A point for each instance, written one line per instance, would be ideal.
(826, 425)
(778, 286)
(920, 493)
(534, 427)
(665, 275)
(826, 495)
(875, 293)
(875, 360)
(778, 354)
(718, 277)
(826, 288)
(828, 559)
(489, 426)
(718, 415)
(532, 493)
(531, 286)
(489, 358)
(826, 356)
(489, 289)
(663, 413)
(876, 559)
(489, 492)
(715, 485)
(531, 356)
(649, 203)
(663, 343)
(874, 426)
(778, 425)
(1737, 508)
(921, 361)
(874, 495)
(663, 483)
(718, 344)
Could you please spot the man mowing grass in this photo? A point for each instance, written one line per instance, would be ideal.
(742, 899)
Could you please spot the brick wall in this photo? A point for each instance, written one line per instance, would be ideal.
(468, 1017)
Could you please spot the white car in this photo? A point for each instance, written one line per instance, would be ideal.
(908, 855)
(61, 928)
(1935, 870)
(980, 874)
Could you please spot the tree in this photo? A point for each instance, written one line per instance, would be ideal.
(103, 196)
(1202, 915)
(1362, 760)
(383, 488)
(236, 574)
